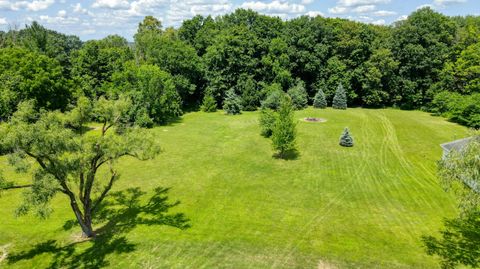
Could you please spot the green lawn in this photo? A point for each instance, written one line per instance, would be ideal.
(360, 207)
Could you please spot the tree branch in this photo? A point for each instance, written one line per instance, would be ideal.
(16, 187)
(105, 191)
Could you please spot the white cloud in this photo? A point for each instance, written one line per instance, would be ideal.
(77, 8)
(274, 7)
(111, 4)
(142, 8)
(88, 32)
(445, 3)
(314, 13)
(448, 2)
(3, 21)
(36, 5)
(379, 22)
(356, 6)
(402, 18)
(338, 10)
(39, 5)
(384, 13)
(58, 20)
(354, 3)
(306, 2)
(62, 13)
(364, 9)
(182, 10)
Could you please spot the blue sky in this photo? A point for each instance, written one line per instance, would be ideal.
(93, 19)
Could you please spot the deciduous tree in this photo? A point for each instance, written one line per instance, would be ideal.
(68, 161)
(284, 131)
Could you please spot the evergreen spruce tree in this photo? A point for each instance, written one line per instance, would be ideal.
(340, 98)
(319, 100)
(250, 95)
(284, 130)
(346, 140)
(232, 103)
(209, 103)
(299, 95)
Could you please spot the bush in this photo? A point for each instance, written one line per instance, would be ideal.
(274, 97)
(340, 98)
(346, 140)
(299, 96)
(232, 103)
(444, 102)
(142, 119)
(463, 109)
(319, 100)
(267, 121)
(284, 130)
(209, 104)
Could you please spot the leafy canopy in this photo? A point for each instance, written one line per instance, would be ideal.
(66, 160)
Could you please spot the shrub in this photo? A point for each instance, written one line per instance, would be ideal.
(142, 119)
(209, 104)
(299, 96)
(346, 140)
(284, 133)
(267, 121)
(319, 100)
(232, 103)
(444, 102)
(463, 109)
(340, 98)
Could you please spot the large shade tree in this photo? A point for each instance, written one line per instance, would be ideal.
(421, 44)
(153, 93)
(31, 75)
(63, 159)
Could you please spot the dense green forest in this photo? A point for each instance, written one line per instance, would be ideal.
(428, 61)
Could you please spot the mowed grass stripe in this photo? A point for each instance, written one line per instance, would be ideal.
(360, 207)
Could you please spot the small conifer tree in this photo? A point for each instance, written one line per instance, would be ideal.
(299, 95)
(232, 103)
(274, 95)
(209, 103)
(250, 95)
(284, 130)
(346, 140)
(340, 98)
(319, 101)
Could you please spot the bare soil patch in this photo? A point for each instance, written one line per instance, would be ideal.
(4, 252)
(310, 119)
(325, 265)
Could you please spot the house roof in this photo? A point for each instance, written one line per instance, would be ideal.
(456, 145)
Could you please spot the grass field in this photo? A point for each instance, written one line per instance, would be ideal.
(332, 207)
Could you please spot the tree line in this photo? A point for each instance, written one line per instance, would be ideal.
(428, 61)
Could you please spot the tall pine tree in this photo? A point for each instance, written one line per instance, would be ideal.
(340, 98)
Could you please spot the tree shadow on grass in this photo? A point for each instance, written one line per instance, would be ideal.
(290, 155)
(459, 243)
(120, 214)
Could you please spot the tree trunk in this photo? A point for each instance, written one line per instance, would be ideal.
(84, 221)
